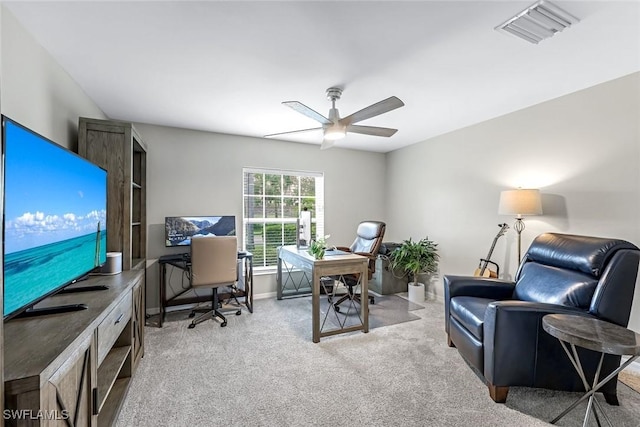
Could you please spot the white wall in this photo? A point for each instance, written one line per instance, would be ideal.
(36, 91)
(582, 150)
(200, 173)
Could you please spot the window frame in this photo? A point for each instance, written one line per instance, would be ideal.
(263, 261)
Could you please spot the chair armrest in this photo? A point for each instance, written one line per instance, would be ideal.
(471, 286)
(343, 248)
(513, 333)
(477, 287)
(365, 254)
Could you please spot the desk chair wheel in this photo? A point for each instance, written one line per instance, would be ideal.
(238, 313)
(336, 308)
(192, 314)
(223, 324)
(191, 326)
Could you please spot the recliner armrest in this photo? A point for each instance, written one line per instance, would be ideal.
(343, 248)
(477, 287)
(472, 286)
(512, 332)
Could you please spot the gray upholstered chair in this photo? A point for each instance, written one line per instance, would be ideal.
(496, 325)
(368, 240)
(213, 265)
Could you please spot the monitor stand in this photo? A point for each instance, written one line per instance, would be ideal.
(44, 311)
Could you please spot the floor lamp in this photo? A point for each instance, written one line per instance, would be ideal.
(520, 202)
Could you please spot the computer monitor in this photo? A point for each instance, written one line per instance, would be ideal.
(179, 229)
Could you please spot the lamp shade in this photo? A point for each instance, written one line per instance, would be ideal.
(520, 202)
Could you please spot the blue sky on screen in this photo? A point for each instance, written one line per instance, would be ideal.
(51, 194)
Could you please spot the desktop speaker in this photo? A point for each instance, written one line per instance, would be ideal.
(113, 264)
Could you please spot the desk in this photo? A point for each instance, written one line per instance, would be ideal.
(313, 270)
(597, 335)
(183, 262)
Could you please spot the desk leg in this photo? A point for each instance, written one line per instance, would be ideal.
(161, 292)
(248, 285)
(364, 299)
(315, 304)
(279, 278)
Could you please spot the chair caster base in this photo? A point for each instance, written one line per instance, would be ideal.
(223, 324)
(191, 326)
(238, 313)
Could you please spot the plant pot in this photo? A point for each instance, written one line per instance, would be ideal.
(416, 292)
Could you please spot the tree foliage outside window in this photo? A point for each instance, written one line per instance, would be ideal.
(273, 200)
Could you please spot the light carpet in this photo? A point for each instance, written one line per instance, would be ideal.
(264, 370)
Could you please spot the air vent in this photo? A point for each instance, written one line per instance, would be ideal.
(538, 22)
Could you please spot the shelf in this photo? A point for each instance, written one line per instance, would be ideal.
(136, 186)
(135, 224)
(108, 372)
(114, 402)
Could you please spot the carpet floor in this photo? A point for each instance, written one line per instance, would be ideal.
(264, 370)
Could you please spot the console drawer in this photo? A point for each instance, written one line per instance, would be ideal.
(111, 327)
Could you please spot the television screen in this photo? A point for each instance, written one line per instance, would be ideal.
(179, 229)
(55, 211)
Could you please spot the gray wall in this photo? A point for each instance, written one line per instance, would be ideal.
(200, 173)
(582, 150)
(36, 91)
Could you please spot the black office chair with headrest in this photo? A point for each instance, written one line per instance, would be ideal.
(369, 237)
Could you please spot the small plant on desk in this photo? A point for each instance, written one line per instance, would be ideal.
(318, 246)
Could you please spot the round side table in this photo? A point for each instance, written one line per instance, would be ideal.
(597, 335)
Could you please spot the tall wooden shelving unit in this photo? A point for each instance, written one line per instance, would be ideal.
(118, 148)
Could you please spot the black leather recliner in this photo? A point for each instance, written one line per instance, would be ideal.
(496, 325)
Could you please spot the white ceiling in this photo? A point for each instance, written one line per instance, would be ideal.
(226, 66)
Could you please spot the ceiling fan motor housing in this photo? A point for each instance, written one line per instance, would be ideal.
(334, 93)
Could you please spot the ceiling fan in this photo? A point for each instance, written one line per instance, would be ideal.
(334, 127)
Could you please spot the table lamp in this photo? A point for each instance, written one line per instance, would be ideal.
(520, 202)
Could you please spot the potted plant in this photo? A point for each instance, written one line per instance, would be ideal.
(317, 247)
(414, 258)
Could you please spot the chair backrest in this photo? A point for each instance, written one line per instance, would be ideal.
(595, 274)
(368, 240)
(213, 260)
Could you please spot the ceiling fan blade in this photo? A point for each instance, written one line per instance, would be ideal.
(371, 130)
(273, 135)
(327, 143)
(376, 109)
(312, 114)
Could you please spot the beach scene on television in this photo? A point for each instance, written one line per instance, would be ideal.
(55, 217)
(180, 229)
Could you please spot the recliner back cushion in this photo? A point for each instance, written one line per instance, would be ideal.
(554, 285)
(583, 253)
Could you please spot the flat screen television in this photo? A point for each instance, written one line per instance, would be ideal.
(179, 229)
(55, 216)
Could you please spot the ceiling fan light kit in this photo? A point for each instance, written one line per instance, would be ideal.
(334, 127)
(539, 21)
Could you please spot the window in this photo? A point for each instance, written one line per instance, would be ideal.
(273, 200)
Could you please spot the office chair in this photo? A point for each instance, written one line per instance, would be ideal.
(367, 243)
(213, 265)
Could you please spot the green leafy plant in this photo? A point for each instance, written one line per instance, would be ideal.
(317, 247)
(415, 257)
